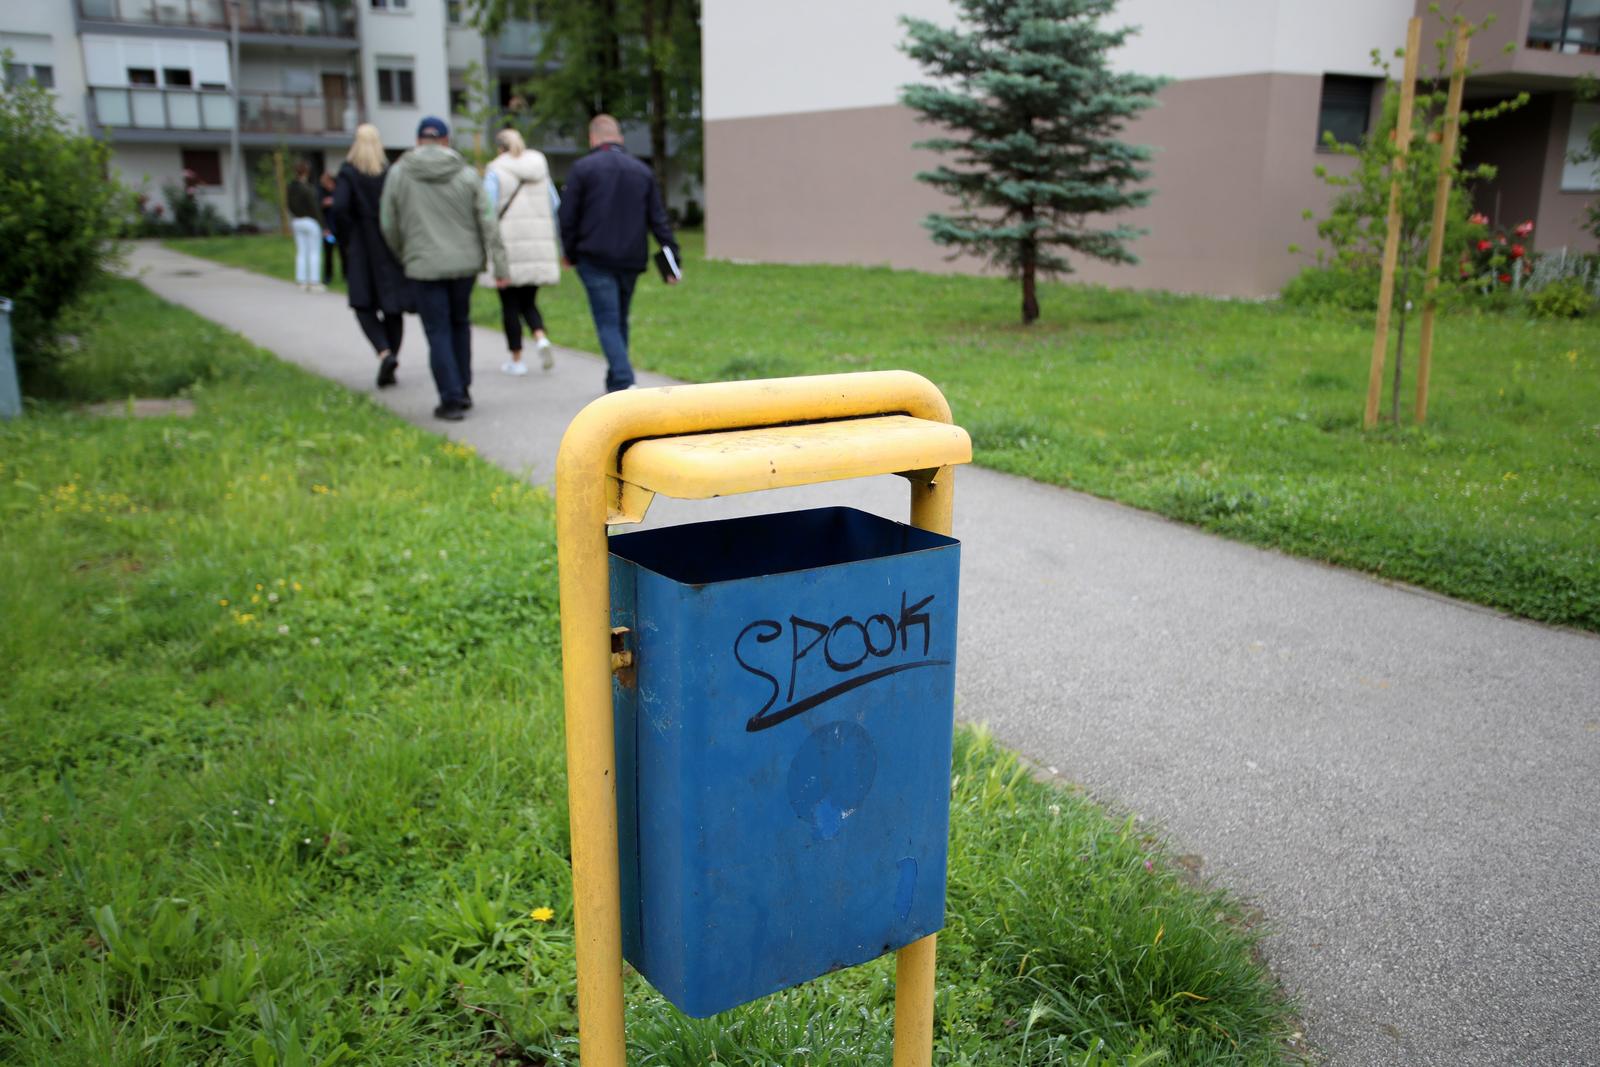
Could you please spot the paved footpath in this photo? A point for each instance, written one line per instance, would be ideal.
(1408, 787)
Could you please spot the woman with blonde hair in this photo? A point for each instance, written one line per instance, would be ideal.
(377, 286)
(525, 201)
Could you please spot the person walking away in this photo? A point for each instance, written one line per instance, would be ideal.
(377, 287)
(525, 201)
(438, 222)
(304, 205)
(611, 199)
(330, 241)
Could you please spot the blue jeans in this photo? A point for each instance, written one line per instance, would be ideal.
(445, 306)
(610, 294)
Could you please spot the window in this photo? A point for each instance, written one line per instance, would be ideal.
(177, 78)
(19, 73)
(396, 86)
(1565, 25)
(141, 76)
(1346, 106)
(390, 5)
(213, 87)
(458, 100)
(206, 164)
(452, 11)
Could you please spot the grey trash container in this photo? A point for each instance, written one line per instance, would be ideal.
(10, 395)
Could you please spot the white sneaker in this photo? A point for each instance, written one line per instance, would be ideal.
(514, 367)
(547, 356)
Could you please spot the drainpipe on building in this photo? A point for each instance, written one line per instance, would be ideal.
(240, 193)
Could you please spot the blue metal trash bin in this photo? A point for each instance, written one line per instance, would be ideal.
(783, 747)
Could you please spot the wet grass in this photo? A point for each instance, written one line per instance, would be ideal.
(281, 774)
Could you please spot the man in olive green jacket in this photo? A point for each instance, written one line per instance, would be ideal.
(441, 227)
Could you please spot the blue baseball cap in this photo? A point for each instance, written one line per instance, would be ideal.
(433, 127)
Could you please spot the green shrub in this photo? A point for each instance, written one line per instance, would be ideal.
(59, 217)
(1343, 287)
(1565, 299)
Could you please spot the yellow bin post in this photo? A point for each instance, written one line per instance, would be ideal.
(696, 442)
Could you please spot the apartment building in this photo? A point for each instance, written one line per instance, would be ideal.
(174, 84)
(808, 154)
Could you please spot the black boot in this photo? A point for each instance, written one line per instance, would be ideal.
(386, 370)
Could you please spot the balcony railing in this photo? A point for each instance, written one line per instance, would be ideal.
(294, 113)
(150, 108)
(519, 39)
(1565, 26)
(295, 18)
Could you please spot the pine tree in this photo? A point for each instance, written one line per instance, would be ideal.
(1032, 113)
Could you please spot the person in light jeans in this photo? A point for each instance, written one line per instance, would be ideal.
(306, 207)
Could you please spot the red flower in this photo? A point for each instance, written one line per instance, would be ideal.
(1517, 251)
(1479, 219)
(1505, 279)
(1484, 246)
(1525, 229)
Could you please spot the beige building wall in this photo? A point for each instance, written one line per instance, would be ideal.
(801, 168)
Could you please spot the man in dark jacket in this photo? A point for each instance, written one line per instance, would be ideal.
(610, 200)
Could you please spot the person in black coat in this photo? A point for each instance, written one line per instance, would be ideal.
(331, 249)
(377, 286)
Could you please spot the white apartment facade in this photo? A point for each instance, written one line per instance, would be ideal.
(158, 79)
(808, 154)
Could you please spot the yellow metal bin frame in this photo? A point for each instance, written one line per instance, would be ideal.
(697, 442)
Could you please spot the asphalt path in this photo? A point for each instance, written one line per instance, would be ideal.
(1406, 786)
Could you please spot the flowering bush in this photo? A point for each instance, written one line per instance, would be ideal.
(1493, 256)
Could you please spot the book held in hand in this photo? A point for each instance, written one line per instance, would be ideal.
(667, 264)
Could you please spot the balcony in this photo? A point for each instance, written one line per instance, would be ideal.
(211, 110)
(281, 18)
(149, 108)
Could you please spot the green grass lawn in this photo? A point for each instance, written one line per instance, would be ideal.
(281, 773)
(1243, 418)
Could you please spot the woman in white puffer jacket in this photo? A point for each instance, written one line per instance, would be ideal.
(525, 200)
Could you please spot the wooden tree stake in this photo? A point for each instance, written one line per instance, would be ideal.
(1391, 242)
(1441, 203)
(282, 197)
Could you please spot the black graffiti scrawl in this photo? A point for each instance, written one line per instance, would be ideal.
(852, 649)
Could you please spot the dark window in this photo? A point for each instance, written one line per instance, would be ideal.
(177, 78)
(1565, 25)
(44, 75)
(206, 164)
(452, 10)
(458, 101)
(16, 74)
(1346, 106)
(141, 76)
(390, 5)
(396, 86)
(213, 86)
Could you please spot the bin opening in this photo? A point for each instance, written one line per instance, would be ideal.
(779, 543)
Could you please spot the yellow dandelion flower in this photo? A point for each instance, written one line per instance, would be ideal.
(258, 587)
(223, 602)
(255, 598)
(295, 587)
(541, 915)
